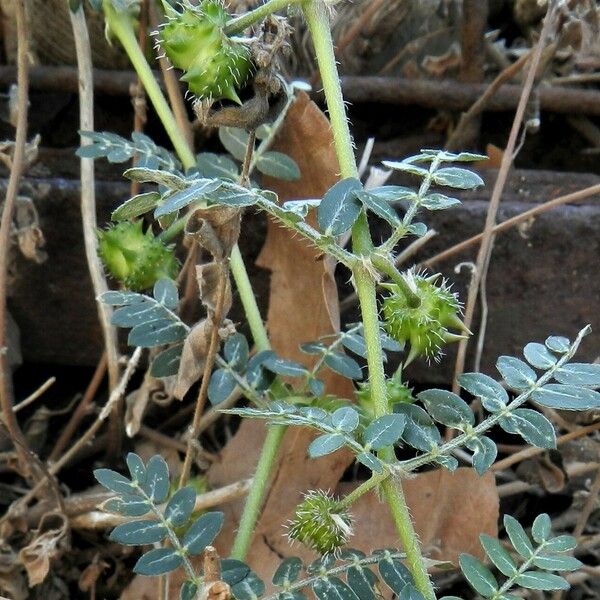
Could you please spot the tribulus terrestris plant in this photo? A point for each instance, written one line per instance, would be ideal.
(202, 198)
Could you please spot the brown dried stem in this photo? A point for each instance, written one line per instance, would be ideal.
(88, 214)
(507, 160)
(513, 221)
(6, 392)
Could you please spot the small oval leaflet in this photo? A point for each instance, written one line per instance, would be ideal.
(127, 505)
(567, 397)
(484, 453)
(216, 165)
(165, 292)
(517, 374)
(344, 365)
(181, 506)
(236, 351)
(332, 588)
(379, 207)
(370, 461)
(587, 375)
(384, 431)
(235, 141)
(536, 580)
(158, 562)
(447, 408)
(518, 537)
(138, 533)
(539, 356)
(202, 532)
(157, 333)
(457, 178)
(345, 419)
(166, 363)
(395, 574)
(478, 575)
(250, 588)
(279, 165)
(541, 528)
(114, 481)
(157, 479)
(221, 386)
(498, 555)
(233, 571)
(558, 344)
(136, 467)
(532, 426)
(557, 562)
(326, 444)
(482, 386)
(288, 571)
(362, 580)
(135, 207)
(339, 208)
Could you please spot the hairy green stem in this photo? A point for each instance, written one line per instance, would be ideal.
(366, 486)
(386, 266)
(255, 499)
(318, 23)
(244, 21)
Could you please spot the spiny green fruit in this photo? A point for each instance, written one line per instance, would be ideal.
(320, 523)
(396, 392)
(194, 40)
(135, 258)
(426, 327)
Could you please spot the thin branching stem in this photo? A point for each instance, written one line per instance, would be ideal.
(6, 392)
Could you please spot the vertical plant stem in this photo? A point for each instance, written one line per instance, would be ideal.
(6, 392)
(318, 23)
(258, 490)
(88, 216)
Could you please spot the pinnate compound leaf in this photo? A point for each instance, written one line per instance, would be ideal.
(518, 538)
(114, 481)
(384, 431)
(587, 375)
(181, 506)
(517, 374)
(539, 356)
(136, 207)
(478, 575)
(566, 397)
(202, 532)
(326, 444)
(221, 385)
(447, 408)
(538, 580)
(541, 528)
(499, 556)
(288, 571)
(138, 533)
(344, 365)
(158, 562)
(457, 178)
(531, 425)
(156, 485)
(339, 208)
(484, 453)
(279, 165)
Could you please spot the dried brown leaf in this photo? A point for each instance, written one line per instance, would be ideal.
(46, 546)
